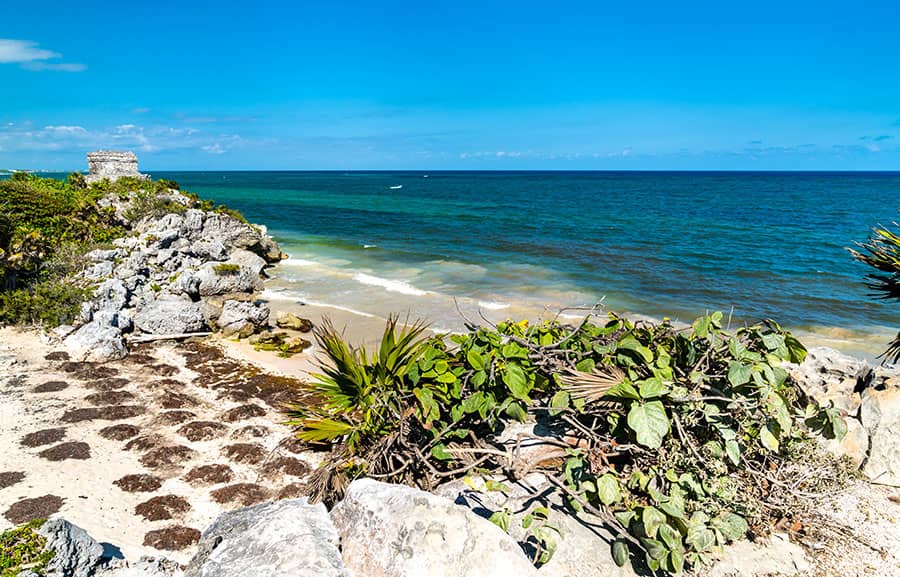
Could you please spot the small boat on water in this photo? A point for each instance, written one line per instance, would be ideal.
(398, 186)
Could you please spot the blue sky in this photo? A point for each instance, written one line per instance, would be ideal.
(457, 85)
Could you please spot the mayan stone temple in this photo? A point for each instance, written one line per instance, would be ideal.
(112, 164)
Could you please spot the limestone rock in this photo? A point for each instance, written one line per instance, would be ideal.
(96, 342)
(290, 538)
(773, 557)
(170, 316)
(854, 445)
(880, 415)
(77, 553)
(215, 279)
(242, 318)
(396, 531)
(828, 375)
(286, 320)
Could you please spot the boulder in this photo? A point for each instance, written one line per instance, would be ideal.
(230, 231)
(170, 315)
(212, 250)
(221, 279)
(290, 538)
(286, 320)
(880, 415)
(77, 553)
(775, 556)
(96, 342)
(242, 318)
(396, 531)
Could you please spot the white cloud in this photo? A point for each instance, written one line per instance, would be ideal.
(214, 148)
(29, 56)
(23, 136)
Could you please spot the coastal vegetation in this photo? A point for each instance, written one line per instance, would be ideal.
(681, 440)
(882, 252)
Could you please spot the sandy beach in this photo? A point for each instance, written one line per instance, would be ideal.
(147, 451)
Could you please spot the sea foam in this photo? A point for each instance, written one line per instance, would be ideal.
(493, 306)
(397, 286)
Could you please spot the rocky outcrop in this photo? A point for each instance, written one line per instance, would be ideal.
(286, 539)
(186, 272)
(869, 400)
(112, 164)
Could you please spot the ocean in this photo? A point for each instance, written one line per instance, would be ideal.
(449, 246)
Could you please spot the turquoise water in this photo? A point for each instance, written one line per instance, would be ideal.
(525, 244)
(768, 245)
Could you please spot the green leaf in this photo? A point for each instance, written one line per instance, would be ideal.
(768, 438)
(653, 519)
(559, 403)
(796, 350)
(655, 549)
(620, 553)
(700, 537)
(670, 536)
(630, 343)
(585, 365)
(623, 390)
(649, 422)
(501, 519)
(475, 359)
(676, 558)
(673, 505)
(652, 388)
(733, 450)
(517, 382)
(738, 373)
(478, 378)
(731, 526)
(516, 411)
(440, 452)
(624, 517)
(608, 489)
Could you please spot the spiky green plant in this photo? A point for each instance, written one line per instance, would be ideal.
(362, 396)
(882, 252)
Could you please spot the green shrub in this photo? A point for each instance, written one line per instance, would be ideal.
(23, 547)
(679, 439)
(49, 303)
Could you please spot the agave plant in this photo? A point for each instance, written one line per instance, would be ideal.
(882, 252)
(362, 396)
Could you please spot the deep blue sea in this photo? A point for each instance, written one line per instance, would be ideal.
(675, 244)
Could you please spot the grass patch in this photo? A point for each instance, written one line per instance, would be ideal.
(224, 269)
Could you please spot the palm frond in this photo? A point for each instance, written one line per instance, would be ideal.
(882, 252)
(593, 386)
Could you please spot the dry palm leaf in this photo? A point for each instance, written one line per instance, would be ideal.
(592, 386)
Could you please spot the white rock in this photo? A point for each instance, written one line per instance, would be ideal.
(396, 531)
(289, 538)
(96, 342)
(880, 415)
(773, 557)
(170, 315)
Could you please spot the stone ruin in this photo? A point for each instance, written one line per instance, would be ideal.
(112, 164)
